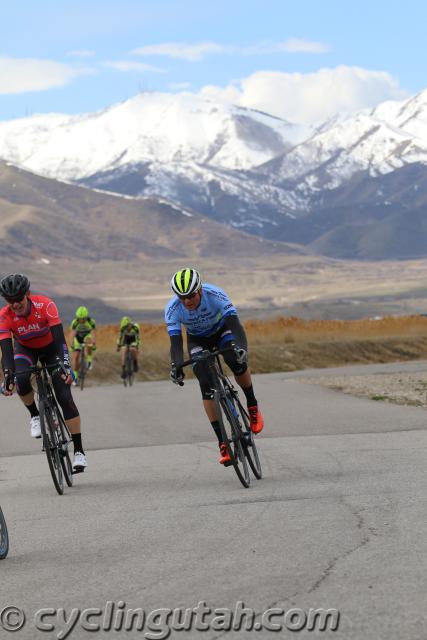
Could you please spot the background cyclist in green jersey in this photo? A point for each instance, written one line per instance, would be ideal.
(128, 335)
(83, 328)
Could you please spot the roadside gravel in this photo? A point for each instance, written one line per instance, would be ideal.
(400, 388)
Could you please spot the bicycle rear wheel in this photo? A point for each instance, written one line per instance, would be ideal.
(4, 537)
(51, 446)
(249, 445)
(232, 437)
(64, 441)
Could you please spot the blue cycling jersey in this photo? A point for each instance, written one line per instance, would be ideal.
(215, 305)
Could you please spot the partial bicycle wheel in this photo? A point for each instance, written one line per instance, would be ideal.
(129, 368)
(64, 441)
(232, 437)
(51, 446)
(4, 537)
(82, 368)
(128, 380)
(249, 445)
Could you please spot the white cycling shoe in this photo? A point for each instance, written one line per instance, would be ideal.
(79, 462)
(36, 431)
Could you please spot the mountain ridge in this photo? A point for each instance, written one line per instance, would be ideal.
(246, 169)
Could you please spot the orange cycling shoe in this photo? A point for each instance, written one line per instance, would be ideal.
(224, 457)
(257, 421)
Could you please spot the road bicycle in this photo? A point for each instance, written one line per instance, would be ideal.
(4, 537)
(232, 416)
(129, 370)
(55, 434)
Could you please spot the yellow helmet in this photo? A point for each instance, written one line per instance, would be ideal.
(124, 322)
(185, 282)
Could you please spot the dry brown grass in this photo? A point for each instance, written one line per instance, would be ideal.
(283, 344)
(298, 330)
(288, 330)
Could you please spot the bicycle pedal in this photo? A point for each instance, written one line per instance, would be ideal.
(228, 464)
(78, 470)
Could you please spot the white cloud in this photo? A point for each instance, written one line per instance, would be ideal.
(293, 45)
(191, 52)
(180, 86)
(131, 65)
(310, 98)
(21, 75)
(81, 53)
(298, 45)
(197, 51)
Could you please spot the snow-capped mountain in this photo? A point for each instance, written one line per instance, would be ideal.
(151, 127)
(324, 188)
(377, 141)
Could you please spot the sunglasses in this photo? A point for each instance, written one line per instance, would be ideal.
(13, 300)
(191, 296)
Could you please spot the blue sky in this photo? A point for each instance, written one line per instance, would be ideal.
(303, 60)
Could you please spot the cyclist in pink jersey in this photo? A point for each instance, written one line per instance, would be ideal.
(31, 330)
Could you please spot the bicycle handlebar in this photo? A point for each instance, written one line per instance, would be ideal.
(36, 368)
(49, 367)
(206, 354)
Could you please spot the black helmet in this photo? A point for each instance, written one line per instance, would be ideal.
(14, 287)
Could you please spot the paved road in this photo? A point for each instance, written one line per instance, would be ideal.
(338, 522)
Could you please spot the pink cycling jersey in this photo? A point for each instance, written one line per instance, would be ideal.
(33, 329)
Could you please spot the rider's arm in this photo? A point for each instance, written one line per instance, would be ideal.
(137, 335)
(93, 332)
(73, 327)
(58, 336)
(120, 339)
(177, 350)
(233, 323)
(7, 354)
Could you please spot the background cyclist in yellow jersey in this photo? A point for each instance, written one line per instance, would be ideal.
(83, 333)
(128, 335)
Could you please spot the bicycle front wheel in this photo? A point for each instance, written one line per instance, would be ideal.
(82, 369)
(4, 537)
(249, 445)
(51, 446)
(232, 437)
(129, 368)
(64, 441)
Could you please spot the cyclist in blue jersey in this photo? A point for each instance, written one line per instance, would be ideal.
(211, 320)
